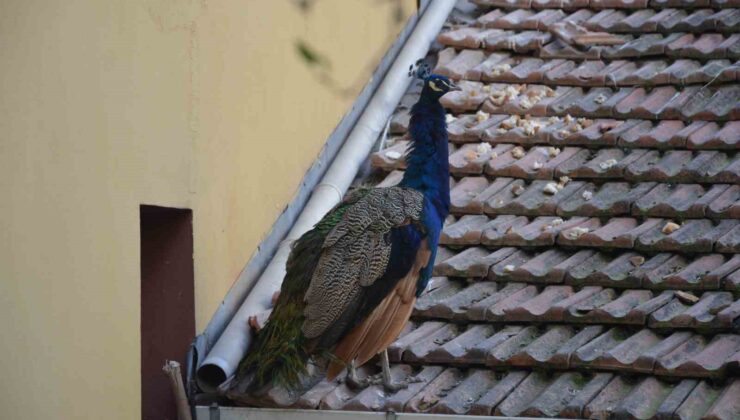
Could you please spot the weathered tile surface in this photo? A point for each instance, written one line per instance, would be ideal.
(590, 266)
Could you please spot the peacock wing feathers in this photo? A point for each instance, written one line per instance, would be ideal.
(279, 353)
(356, 253)
(330, 272)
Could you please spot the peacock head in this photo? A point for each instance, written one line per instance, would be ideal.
(435, 85)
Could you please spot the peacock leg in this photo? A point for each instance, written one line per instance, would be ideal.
(353, 381)
(387, 379)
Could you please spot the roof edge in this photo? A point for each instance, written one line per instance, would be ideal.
(244, 413)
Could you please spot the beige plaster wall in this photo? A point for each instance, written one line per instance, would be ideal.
(106, 105)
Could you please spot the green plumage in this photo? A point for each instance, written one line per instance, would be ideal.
(280, 352)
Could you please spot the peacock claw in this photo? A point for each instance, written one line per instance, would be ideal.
(357, 383)
(395, 386)
(386, 378)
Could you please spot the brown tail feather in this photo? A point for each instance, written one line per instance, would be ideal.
(383, 324)
(396, 314)
(349, 346)
(390, 333)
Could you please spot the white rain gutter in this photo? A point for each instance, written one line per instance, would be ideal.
(243, 413)
(233, 343)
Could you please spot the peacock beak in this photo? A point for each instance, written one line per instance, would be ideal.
(453, 86)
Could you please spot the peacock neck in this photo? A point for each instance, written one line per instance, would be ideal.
(427, 162)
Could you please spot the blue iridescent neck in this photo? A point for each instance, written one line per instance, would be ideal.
(427, 161)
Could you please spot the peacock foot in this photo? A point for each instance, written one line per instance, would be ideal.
(386, 378)
(391, 386)
(357, 383)
(354, 381)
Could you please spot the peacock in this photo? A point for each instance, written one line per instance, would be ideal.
(351, 282)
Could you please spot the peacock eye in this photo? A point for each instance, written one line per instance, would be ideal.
(434, 87)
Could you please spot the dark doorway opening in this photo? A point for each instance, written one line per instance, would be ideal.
(167, 302)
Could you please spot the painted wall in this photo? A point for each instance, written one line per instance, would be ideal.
(108, 105)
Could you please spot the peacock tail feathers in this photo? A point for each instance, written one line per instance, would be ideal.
(280, 352)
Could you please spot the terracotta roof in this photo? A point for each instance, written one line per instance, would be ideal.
(590, 267)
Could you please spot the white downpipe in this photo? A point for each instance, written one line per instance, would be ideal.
(225, 355)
